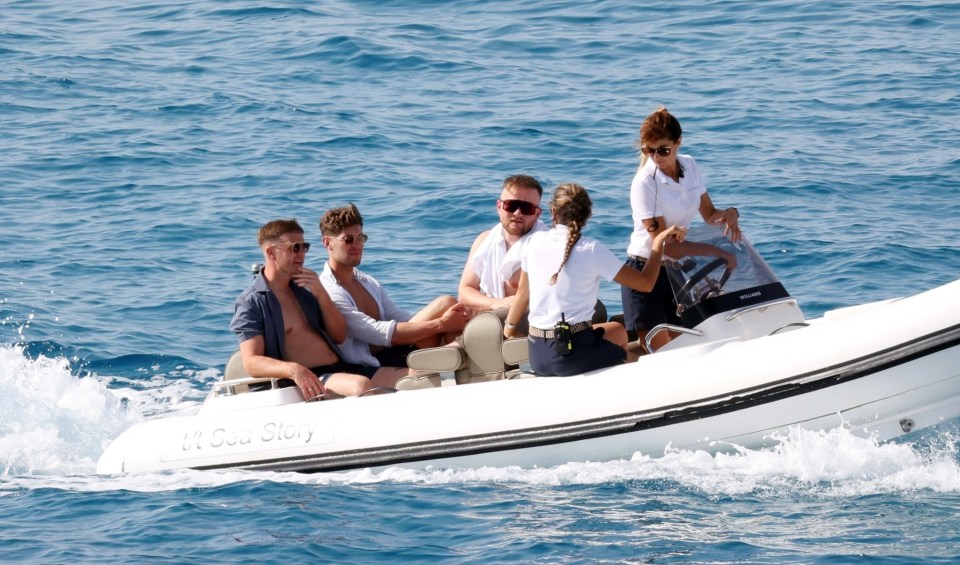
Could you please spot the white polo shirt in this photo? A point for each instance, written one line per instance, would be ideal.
(652, 194)
(578, 284)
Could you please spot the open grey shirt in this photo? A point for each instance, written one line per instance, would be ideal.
(257, 312)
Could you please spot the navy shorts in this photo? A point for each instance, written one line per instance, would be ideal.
(324, 372)
(590, 352)
(394, 356)
(644, 310)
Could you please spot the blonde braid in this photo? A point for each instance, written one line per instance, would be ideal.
(571, 207)
(572, 238)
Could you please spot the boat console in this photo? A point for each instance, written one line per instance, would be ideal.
(716, 303)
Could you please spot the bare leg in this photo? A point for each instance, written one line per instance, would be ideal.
(433, 311)
(348, 384)
(614, 332)
(388, 376)
(659, 340)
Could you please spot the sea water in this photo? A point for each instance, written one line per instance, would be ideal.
(143, 143)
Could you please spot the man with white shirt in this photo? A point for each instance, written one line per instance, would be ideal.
(379, 333)
(492, 271)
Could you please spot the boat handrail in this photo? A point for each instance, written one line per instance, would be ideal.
(763, 305)
(226, 386)
(788, 326)
(648, 341)
(379, 390)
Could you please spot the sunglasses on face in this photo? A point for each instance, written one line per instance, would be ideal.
(295, 247)
(350, 239)
(511, 206)
(661, 151)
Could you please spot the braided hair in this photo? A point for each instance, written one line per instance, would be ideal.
(571, 207)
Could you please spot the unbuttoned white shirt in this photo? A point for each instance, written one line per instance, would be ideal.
(494, 264)
(363, 330)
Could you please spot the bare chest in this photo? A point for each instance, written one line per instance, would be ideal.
(363, 299)
(294, 320)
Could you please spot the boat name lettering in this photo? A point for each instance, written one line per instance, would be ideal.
(750, 295)
(281, 431)
(226, 437)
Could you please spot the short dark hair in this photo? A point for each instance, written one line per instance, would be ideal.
(523, 181)
(335, 220)
(273, 230)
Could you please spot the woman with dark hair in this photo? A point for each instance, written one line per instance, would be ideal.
(667, 190)
(559, 281)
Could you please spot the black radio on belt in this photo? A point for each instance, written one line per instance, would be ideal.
(563, 338)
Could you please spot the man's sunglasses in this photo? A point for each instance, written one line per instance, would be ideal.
(661, 151)
(511, 206)
(350, 239)
(295, 247)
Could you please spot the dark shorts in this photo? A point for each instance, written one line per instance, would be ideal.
(644, 310)
(590, 352)
(324, 372)
(395, 356)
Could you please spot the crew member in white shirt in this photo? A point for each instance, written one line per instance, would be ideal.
(560, 280)
(667, 190)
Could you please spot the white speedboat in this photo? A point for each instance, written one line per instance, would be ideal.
(745, 365)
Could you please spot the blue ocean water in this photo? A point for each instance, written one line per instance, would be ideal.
(142, 144)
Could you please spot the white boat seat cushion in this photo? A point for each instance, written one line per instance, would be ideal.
(234, 368)
(450, 357)
(515, 351)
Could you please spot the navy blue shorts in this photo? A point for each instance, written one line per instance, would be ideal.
(325, 371)
(644, 310)
(590, 352)
(395, 356)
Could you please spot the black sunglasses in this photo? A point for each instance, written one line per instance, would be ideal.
(511, 206)
(295, 247)
(349, 239)
(661, 151)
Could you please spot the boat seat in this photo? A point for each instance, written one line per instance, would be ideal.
(432, 362)
(235, 370)
(516, 351)
(482, 339)
(475, 357)
(481, 353)
(418, 382)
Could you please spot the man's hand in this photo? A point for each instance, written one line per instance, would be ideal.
(455, 318)
(309, 280)
(308, 383)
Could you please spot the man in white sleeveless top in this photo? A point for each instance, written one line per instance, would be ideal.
(490, 276)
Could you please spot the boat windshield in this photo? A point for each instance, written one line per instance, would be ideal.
(704, 286)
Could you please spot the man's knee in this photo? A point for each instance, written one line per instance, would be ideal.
(348, 384)
(444, 302)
